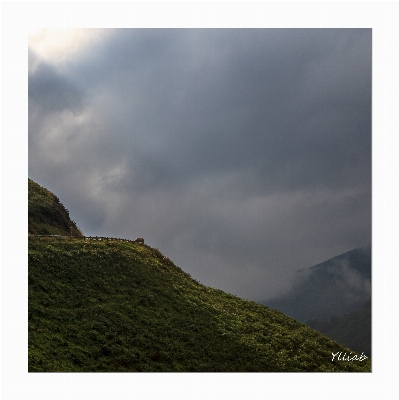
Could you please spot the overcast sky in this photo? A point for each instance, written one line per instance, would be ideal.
(242, 154)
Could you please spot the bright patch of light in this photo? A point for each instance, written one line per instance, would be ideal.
(57, 45)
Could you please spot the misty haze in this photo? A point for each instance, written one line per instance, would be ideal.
(244, 155)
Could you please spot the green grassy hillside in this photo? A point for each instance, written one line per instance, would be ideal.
(47, 216)
(114, 306)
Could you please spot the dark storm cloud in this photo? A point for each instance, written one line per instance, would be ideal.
(243, 154)
(285, 109)
(49, 90)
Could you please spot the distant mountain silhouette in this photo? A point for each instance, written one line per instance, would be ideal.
(333, 288)
(352, 330)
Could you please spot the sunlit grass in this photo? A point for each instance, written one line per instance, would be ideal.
(114, 306)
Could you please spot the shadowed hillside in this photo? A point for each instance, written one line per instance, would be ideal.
(352, 330)
(47, 216)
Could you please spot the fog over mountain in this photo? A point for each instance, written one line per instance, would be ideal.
(242, 154)
(333, 288)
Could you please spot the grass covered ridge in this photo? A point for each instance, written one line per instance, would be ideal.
(47, 215)
(115, 306)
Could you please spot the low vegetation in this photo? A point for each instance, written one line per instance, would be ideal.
(118, 306)
(114, 306)
(47, 216)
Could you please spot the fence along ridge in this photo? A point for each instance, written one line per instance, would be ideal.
(102, 238)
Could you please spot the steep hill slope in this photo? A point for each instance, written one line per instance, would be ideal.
(47, 216)
(115, 306)
(111, 305)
